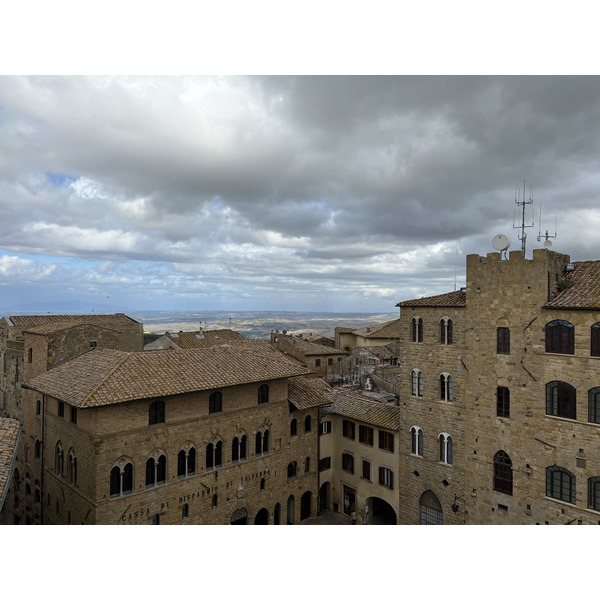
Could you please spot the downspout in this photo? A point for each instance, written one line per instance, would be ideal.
(42, 457)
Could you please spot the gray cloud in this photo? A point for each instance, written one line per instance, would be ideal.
(361, 188)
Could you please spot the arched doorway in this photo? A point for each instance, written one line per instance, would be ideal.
(430, 509)
(276, 514)
(305, 505)
(380, 512)
(325, 496)
(239, 517)
(262, 517)
(290, 510)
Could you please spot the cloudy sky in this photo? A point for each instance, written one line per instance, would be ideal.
(283, 193)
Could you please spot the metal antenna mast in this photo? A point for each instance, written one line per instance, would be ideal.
(522, 227)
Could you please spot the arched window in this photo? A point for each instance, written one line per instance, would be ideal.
(262, 442)
(594, 405)
(417, 382)
(263, 393)
(214, 501)
(416, 440)
(121, 478)
(594, 493)
(38, 449)
(277, 514)
(503, 477)
(210, 456)
(262, 484)
(150, 472)
(156, 469)
(235, 450)
(59, 460)
(30, 355)
(186, 461)
(561, 400)
(430, 509)
(292, 469)
(215, 403)
(446, 387)
(243, 447)
(560, 484)
(72, 468)
(156, 413)
(307, 464)
(293, 427)
(219, 454)
(595, 340)
(446, 331)
(307, 424)
(560, 337)
(445, 448)
(417, 329)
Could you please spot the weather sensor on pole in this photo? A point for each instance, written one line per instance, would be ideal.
(522, 227)
(546, 237)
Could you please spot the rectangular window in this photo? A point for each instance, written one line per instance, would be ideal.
(93, 344)
(503, 402)
(61, 409)
(386, 477)
(386, 441)
(317, 362)
(330, 361)
(503, 341)
(366, 470)
(185, 511)
(325, 463)
(74, 415)
(365, 435)
(347, 462)
(348, 429)
(325, 427)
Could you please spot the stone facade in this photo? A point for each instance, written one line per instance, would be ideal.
(259, 487)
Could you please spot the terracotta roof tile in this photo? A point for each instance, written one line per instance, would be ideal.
(35, 320)
(354, 406)
(101, 377)
(457, 298)
(389, 329)
(205, 339)
(583, 289)
(312, 349)
(307, 392)
(9, 438)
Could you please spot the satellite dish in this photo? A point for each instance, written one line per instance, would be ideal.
(548, 244)
(501, 242)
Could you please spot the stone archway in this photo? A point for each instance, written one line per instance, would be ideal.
(325, 496)
(305, 505)
(262, 517)
(430, 509)
(239, 517)
(380, 512)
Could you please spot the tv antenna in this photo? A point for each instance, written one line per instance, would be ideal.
(546, 236)
(523, 203)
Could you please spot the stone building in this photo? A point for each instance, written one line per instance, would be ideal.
(359, 458)
(502, 395)
(323, 361)
(10, 433)
(380, 334)
(184, 340)
(31, 344)
(211, 436)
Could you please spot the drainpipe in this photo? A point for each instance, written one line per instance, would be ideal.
(42, 457)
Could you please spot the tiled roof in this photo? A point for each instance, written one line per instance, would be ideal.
(61, 326)
(9, 439)
(354, 406)
(307, 392)
(378, 351)
(311, 349)
(344, 330)
(36, 320)
(583, 289)
(457, 298)
(101, 377)
(205, 339)
(389, 329)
